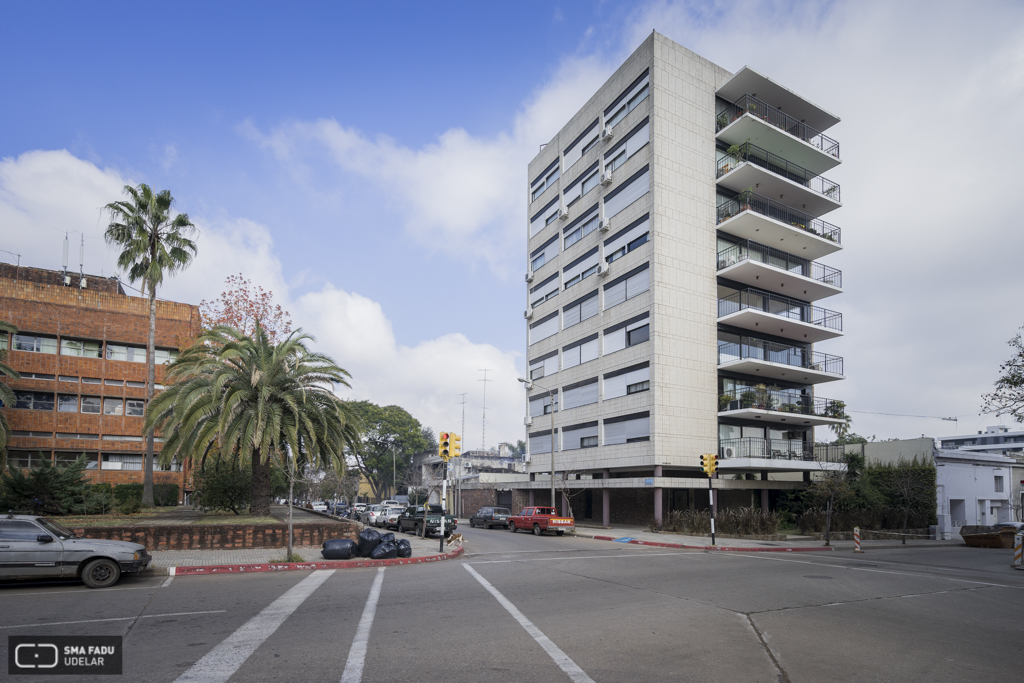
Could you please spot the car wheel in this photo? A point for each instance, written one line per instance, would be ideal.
(536, 530)
(101, 573)
(472, 524)
(559, 533)
(511, 527)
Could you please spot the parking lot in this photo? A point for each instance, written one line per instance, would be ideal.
(525, 608)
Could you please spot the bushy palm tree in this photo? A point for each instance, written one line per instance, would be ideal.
(6, 393)
(153, 243)
(257, 401)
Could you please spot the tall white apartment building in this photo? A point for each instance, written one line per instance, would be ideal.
(673, 281)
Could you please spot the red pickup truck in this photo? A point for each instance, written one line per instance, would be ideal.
(540, 520)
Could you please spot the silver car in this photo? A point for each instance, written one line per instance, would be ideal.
(40, 548)
(369, 516)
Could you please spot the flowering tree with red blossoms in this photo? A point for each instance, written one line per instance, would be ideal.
(241, 305)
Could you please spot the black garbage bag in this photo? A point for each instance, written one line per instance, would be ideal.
(385, 551)
(369, 539)
(404, 548)
(339, 549)
(387, 538)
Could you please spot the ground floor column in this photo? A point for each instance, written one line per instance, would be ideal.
(531, 497)
(606, 501)
(764, 493)
(658, 497)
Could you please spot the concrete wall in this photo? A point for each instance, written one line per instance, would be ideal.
(891, 452)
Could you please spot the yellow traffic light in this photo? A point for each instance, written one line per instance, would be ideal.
(709, 463)
(443, 450)
(456, 442)
(704, 464)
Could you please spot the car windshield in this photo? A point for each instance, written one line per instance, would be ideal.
(501, 511)
(56, 529)
(395, 511)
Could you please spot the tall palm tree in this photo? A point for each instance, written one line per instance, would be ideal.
(257, 401)
(6, 393)
(153, 243)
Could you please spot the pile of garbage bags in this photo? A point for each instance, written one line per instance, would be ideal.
(371, 544)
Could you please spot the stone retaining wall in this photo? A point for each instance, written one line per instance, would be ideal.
(224, 536)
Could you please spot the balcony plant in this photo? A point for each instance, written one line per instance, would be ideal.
(739, 151)
(723, 120)
(744, 198)
(723, 402)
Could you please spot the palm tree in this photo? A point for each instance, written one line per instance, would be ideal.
(257, 401)
(153, 243)
(6, 394)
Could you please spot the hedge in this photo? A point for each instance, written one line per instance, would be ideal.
(163, 494)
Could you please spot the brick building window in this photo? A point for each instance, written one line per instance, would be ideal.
(113, 406)
(132, 354)
(26, 459)
(117, 461)
(164, 355)
(80, 348)
(135, 408)
(67, 403)
(35, 343)
(91, 404)
(33, 400)
(64, 459)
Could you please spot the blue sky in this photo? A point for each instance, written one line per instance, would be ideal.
(367, 162)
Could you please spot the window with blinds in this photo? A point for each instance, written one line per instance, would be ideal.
(544, 217)
(575, 150)
(579, 394)
(548, 289)
(579, 310)
(581, 229)
(627, 429)
(628, 100)
(638, 185)
(541, 404)
(544, 181)
(580, 269)
(628, 333)
(544, 253)
(627, 239)
(620, 382)
(544, 328)
(632, 143)
(540, 442)
(579, 436)
(544, 366)
(580, 352)
(627, 286)
(575, 190)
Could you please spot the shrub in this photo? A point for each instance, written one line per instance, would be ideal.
(130, 505)
(163, 494)
(745, 521)
(223, 488)
(45, 489)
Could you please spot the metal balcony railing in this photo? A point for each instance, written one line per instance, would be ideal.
(773, 352)
(749, 250)
(749, 201)
(781, 306)
(773, 163)
(748, 104)
(776, 449)
(779, 401)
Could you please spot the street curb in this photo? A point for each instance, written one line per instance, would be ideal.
(207, 570)
(711, 547)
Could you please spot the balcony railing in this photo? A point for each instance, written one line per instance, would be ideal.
(779, 401)
(780, 212)
(759, 349)
(748, 104)
(747, 152)
(781, 306)
(776, 449)
(755, 251)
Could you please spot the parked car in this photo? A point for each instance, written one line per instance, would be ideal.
(488, 517)
(40, 548)
(319, 506)
(1017, 526)
(392, 503)
(539, 520)
(369, 515)
(388, 517)
(412, 520)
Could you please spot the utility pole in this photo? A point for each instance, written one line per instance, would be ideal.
(458, 492)
(483, 438)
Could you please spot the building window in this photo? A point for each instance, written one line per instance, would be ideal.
(35, 343)
(114, 382)
(629, 238)
(65, 459)
(627, 429)
(113, 406)
(588, 441)
(638, 335)
(590, 182)
(544, 366)
(67, 403)
(541, 405)
(82, 349)
(33, 400)
(91, 404)
(580, 352)
(637, 95)
(26, 459)
(619, 160)
(579, 436)
(132, 354)
(626, 334)
(544, 328)
(118, 461)
(135, 408)
(999, 484)
(576, 313)
(580, 394)
(68, 378)
(581, 268)
(136, 385)
(543, 183)
(634, 188)
(581, 232)
(547, 252)
(631, 380)
(580, 277)
(91, 380)
(547, 289)
(638, 387)
(627, 286)
(34, 435)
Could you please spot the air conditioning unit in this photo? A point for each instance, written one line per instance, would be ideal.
(602, 269)
(606, 177)
(563, 212)
(528, 313)
(529, 276)
(528, 421)
(607, 133)
(729, 452)
(605, 224)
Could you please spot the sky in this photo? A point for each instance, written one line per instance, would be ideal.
(367, 163)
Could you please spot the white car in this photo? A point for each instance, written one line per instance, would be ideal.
(388, 518)
(319, 506)
(369, 516)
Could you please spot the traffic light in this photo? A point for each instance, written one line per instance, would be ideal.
(443, 448)
(456, 442)
(709, 463)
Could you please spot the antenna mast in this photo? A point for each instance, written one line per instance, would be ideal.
(483, 438)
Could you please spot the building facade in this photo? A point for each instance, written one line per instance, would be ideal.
(81, 353)
(673, 278)
(997, 439)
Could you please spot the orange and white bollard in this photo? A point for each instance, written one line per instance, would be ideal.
(856, 540)
(1018, 552)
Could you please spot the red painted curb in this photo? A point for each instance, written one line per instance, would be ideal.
(294, 566)
(716, 547)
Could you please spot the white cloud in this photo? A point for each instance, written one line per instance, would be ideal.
(44, 192)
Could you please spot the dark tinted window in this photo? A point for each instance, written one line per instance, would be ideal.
(19, 531)
(501, 511)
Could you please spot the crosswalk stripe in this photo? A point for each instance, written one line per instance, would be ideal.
(357, 655)
(220, 663)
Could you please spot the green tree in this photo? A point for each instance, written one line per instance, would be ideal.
(45, 489)
(391, 436)
(256, 401)
(153, 243)
(837, 409)
(223, 488)
(6, 394)
(1008, 397)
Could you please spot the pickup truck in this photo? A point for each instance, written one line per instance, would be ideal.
(541, 519)
(411, 521)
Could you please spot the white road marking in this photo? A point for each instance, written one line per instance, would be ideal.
(167, 583)
(357, 654)
(570, 559)
(92, 621)
(563, 660)
(220, 663)
(80, 589)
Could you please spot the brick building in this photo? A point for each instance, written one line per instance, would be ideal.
(81, 352)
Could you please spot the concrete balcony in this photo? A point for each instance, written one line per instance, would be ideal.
(764, 220)
(783, 406)
(778, 454)
(758, 311)
(747, 81)
(752, 168)
(773, 361)
(761, 266)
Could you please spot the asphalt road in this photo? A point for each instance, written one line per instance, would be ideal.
(522, 608)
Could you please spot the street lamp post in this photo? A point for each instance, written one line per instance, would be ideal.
(529, 385)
